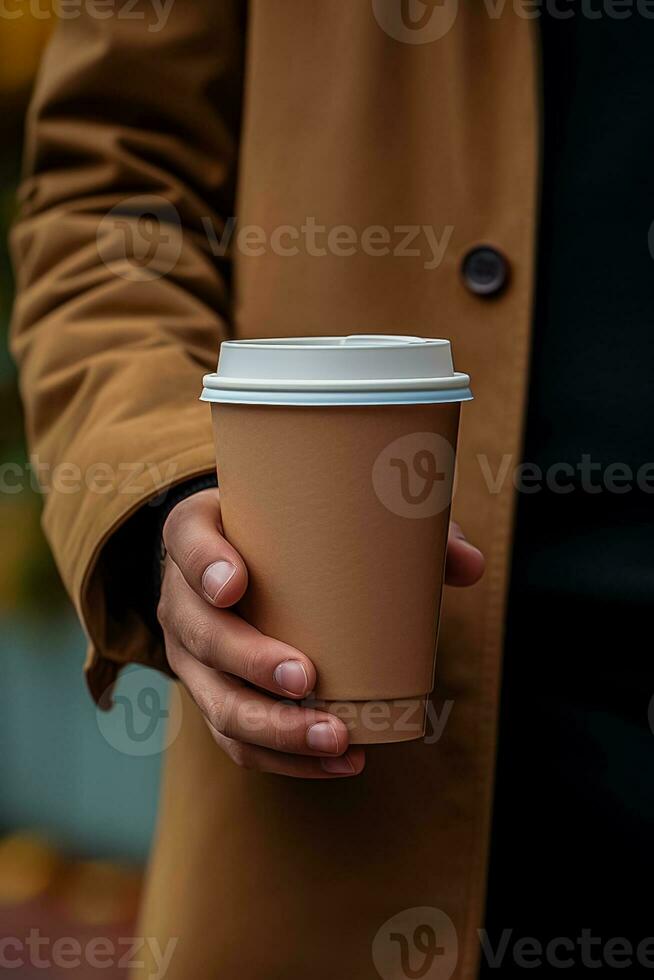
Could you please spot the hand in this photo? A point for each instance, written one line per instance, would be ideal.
(228, 665)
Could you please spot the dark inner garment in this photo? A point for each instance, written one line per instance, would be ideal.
(574, 811)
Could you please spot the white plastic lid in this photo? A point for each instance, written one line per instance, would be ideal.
(367, 369)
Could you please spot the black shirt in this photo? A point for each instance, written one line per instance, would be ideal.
(574, 812)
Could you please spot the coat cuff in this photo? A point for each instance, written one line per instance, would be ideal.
(116, 599)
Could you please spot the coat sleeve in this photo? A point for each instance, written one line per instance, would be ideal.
(122, 295)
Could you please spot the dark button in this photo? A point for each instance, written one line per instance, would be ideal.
(485, 271)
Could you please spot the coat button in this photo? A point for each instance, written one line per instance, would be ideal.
(485, 270)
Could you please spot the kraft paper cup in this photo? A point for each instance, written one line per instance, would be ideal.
(335, 461)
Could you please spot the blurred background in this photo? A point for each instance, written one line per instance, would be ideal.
(78, 791)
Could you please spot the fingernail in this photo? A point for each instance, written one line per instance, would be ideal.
(322, 737)
(291, 677)
(340, 766)
(216, 577)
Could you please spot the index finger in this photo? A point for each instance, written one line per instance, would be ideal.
(193, 539)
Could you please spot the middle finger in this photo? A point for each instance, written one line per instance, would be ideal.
(242, 713)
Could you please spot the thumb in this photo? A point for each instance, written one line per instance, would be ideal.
(211, 566)
(465, 563)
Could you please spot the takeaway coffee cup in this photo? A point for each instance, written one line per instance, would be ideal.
(335, 460)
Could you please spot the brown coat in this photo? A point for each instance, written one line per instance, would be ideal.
(259, 876)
